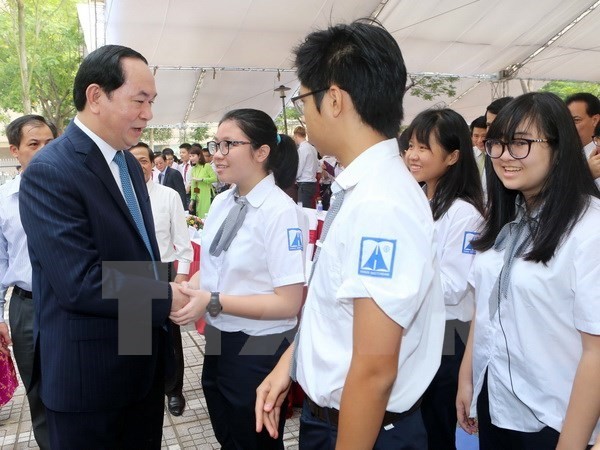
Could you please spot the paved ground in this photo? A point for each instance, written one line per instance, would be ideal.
(191, 430)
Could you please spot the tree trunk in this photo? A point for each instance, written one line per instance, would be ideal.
(22, 49)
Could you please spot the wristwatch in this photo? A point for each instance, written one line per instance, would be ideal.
(214, 306)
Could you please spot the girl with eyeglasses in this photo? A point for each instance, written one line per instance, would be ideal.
(201, 189)
(251, 276)
(530, 370)
(439, 154)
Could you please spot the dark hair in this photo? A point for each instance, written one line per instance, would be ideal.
(566, 192)
(14, 130)
(161, 156)
(102, 67)
(461, 180)
(478, 123)
(497, 105)
(364, 60)
(196, 149)
(261, 130)
(147, 147)
(168, 151)
(592, 103)
(403, 141)
(186, 146)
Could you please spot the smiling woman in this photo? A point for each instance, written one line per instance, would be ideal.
(252, 267)
(440, 155)
(537, 296)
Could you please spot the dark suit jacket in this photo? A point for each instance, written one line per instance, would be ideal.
(76, 218)
(174, 180)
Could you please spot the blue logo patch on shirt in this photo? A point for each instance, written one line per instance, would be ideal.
(466, 247)
(294, 239)
(376, 257)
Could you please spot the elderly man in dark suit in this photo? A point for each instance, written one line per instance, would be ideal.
(86, 211)
(167, 176)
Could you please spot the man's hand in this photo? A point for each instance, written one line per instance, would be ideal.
(179, 298)
(594, 163)
(5, 340)
(271, 394)
(181, 278)
(194, 309)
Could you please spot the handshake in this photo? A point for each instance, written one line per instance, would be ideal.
(188, 304)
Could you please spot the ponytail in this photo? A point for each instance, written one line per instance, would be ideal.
(283, 161)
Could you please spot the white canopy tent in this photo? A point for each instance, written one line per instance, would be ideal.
(210, 57)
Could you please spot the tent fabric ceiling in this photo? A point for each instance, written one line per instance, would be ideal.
(210, 57)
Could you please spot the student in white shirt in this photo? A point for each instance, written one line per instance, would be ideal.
(530, 371)
(174, 244)
(372, 327)
(440, 155)
(251, 290)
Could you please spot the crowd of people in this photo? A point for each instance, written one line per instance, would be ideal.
(455, 279)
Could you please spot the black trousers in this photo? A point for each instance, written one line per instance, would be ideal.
(492, 437)
(306, 194)
(20, 316)
(439, 401)
(234, 365)
(407, 433)
(137, 426)
(174, 382)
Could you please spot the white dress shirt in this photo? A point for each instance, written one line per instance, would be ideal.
(15, 266)
(381, 245)
(588, 149)
(186, 174)
(267, 252)
(171, 229)
(547, 307)
(455, 230)
(477, 153)
(308, 163)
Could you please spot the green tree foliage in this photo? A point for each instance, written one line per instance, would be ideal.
(293, 119)
(157, 135)
(37, 71)
(565, 88)
(429, 87)
(198, 134)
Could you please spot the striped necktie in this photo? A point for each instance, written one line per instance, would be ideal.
(131, 201)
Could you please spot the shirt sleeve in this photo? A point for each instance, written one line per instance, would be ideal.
(456, 255)
(284, 242)
(3, 270)
(586, 275)
(184, 253)
(389, 257)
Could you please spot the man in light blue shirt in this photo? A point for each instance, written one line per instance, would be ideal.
(26, 135)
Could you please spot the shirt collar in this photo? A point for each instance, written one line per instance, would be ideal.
(107, 151)
(259, 193)
(366, 163)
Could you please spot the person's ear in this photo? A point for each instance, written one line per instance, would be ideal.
(335, 98)
(93, 95)
(452, 158)
(261, 153)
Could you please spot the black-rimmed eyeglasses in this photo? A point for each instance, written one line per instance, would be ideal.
(224, 146)
(517, 148)
(299, 103)
(596, 140)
